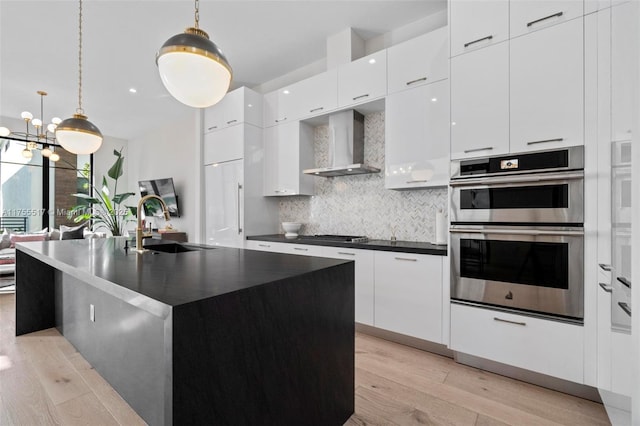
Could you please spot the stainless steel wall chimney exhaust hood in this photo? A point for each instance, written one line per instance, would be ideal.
(346, 146)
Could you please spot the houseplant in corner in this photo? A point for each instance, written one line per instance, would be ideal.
(104, 209)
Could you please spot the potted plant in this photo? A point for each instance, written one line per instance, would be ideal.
(104, 209)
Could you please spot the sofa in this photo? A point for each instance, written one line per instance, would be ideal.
(9, 240)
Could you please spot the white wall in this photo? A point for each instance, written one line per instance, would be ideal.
(172, 150)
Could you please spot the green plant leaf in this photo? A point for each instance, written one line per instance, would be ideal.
(88, 198)
(117, 169)
(119, 198)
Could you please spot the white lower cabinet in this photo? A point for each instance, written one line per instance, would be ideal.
(303, 249)
(265, 246)
(363, 279)
(408, 294)
(548, 347)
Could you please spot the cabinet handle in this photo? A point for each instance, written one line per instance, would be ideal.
(239, 218)
(605, 267)
(545, 141)
(467, 151)
(625, 307)
(490, 37)
(280, 191)
(360, 97)
(316, 109)
(264, 245)
(300, 249)
(606, 287)
(409, 83)
(418, 181)
(232, 121)
(212, 127)
(509, 322)
(624, 281)
(408, 259)
(282, 119)
(346, 253)
(555, 15)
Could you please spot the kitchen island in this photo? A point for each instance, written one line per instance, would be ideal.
(211, 336)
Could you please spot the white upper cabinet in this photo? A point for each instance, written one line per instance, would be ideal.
(480, 102)
(531, 15)
(476, 24)
(362, 80)
(417, 137)
(288, 151)
(242, 105)
(224, 145)
(421, 60)
(313, 96)
(547, 88)
(624, 54)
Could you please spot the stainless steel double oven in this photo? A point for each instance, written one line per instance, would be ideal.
(517, 236)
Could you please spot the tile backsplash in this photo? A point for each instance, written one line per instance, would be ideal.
(360, 204)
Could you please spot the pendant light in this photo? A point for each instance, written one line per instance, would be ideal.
(192, 68)
(77, 134)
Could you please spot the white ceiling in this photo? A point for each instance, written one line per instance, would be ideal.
(261, 39)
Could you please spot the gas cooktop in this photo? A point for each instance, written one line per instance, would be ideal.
(339, 238)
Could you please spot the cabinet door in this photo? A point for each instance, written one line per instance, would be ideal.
(480, 102)
(363, 279)
(318, 94)
(547, 89)
(224, 204)
(304, 249)
(477, 24)
(417, 137)
(288, 150)
(362, 80)
(408, 294)
(549, 347)
(624, 54)
(224, 145)
(266, 246)
(531, 15)
(421, 60)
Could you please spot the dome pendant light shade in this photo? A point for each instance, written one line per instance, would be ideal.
(78, 135)
(193, 69)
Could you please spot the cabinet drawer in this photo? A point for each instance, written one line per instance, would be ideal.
(304, 249)
(477, 24)
(362, 80)
(418, 61)
(266, 246)
(543, 346)
(408, 294)
(526, 16)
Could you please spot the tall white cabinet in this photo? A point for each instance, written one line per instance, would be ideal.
(233, 162)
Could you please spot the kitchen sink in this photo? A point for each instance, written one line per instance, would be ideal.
(172, 247)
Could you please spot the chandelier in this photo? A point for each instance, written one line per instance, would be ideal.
(36, 136)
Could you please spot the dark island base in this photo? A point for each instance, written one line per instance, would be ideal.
(281, 353)
(284, 352)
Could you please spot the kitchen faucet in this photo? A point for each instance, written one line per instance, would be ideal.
(139, 231)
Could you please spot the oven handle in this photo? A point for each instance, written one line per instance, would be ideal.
(515, 231)
(518, 179)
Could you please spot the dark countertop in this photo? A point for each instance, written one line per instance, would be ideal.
(384, 245)
(144, 279)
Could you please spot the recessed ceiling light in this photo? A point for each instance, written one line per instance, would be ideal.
(434, 99)
(286, 92)
(250, 105)
(133, 90)
(372, 61)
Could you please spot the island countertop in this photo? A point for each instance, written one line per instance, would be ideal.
(172, 279)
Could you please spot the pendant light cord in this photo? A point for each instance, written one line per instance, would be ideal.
(80, 110)
(197, 14)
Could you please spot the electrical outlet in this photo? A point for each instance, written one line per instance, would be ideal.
(92, 313)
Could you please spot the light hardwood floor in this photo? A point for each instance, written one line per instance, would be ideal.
(45, 381)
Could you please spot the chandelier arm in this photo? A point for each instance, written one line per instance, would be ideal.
(197, 14)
